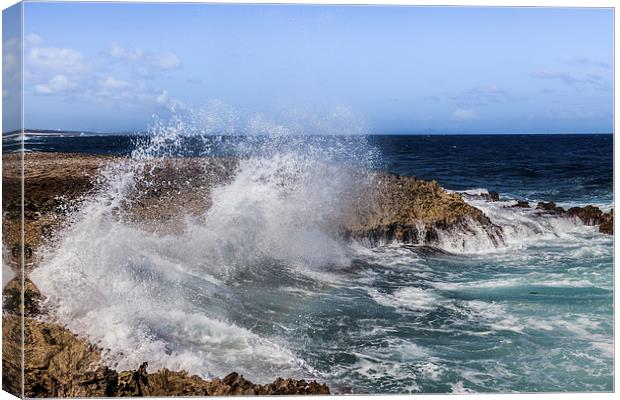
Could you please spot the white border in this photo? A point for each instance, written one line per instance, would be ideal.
(482, 3)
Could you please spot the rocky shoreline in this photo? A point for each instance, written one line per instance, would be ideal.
(60, 364)
(589, 215)
(57, 362)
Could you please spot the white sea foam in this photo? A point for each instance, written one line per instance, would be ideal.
(459, 388)
(165, 298)
(171, 300)
(520, 227)
(412, 299)
(471, 192)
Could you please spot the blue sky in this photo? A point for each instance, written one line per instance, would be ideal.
(111, 67)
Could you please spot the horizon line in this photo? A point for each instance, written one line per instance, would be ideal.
(126, 133)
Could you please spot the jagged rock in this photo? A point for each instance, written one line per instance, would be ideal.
(607, 223)
(59, 364)
(521, 204)
(589, 215)
(235, 384)
(395, 208)
(12, 355)
(12, 297)
(490, 196)
(410, 210)
(550, 206)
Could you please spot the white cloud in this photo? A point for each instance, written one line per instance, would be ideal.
(58, 59)
(167, 61)
(163, 97)
(66, 72)
(11, 50)
(113, 83)
(145, 61)
(58, 84)
(464, 114)
(130, 55)
(32, 39)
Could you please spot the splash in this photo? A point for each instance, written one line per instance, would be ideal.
(171, 297)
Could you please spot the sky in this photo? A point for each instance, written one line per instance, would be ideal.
(112, 67)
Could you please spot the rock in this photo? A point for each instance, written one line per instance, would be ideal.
(589, 215)
(235, 384)
(550, 207)
(409, 210)
(12, 355)
(607, 223)
(12, 297)
(59, 364)
(395, 208)
(521, 204)
(490, 196)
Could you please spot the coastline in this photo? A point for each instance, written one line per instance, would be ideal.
(403, 209)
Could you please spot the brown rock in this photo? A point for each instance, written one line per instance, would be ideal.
(12, 297)
(607, 223)
(589, 215)
(59, 364)
(235, 384)
(405, 209)
(12, 355)
(494, 196)
(550, 207)
(393, 208)
(521, 204)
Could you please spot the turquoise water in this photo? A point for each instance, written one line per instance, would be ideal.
(537, 317)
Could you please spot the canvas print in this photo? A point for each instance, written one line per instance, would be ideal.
(245, 199)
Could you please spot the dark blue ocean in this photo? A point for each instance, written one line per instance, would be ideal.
(571, 168)
(532, 315)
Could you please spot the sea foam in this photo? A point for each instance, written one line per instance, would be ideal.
(166, 298)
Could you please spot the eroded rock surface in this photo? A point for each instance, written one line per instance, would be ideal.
(607, 223)
(395, 208)
(410, 210)
(59, 364)
(588, 215)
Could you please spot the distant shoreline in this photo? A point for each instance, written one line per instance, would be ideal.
(61, 133)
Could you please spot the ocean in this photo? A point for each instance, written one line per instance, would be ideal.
(240, 292)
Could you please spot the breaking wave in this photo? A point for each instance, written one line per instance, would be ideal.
(251, 277)
(168, 297)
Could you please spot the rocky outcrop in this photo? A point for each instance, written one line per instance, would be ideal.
(493, 196)
(550, 207)
(588, 215)
(59, 364)
(12, 298)
(607, 223)
(395, 208)
(521, 204)
(409, 210)
(488, 196)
